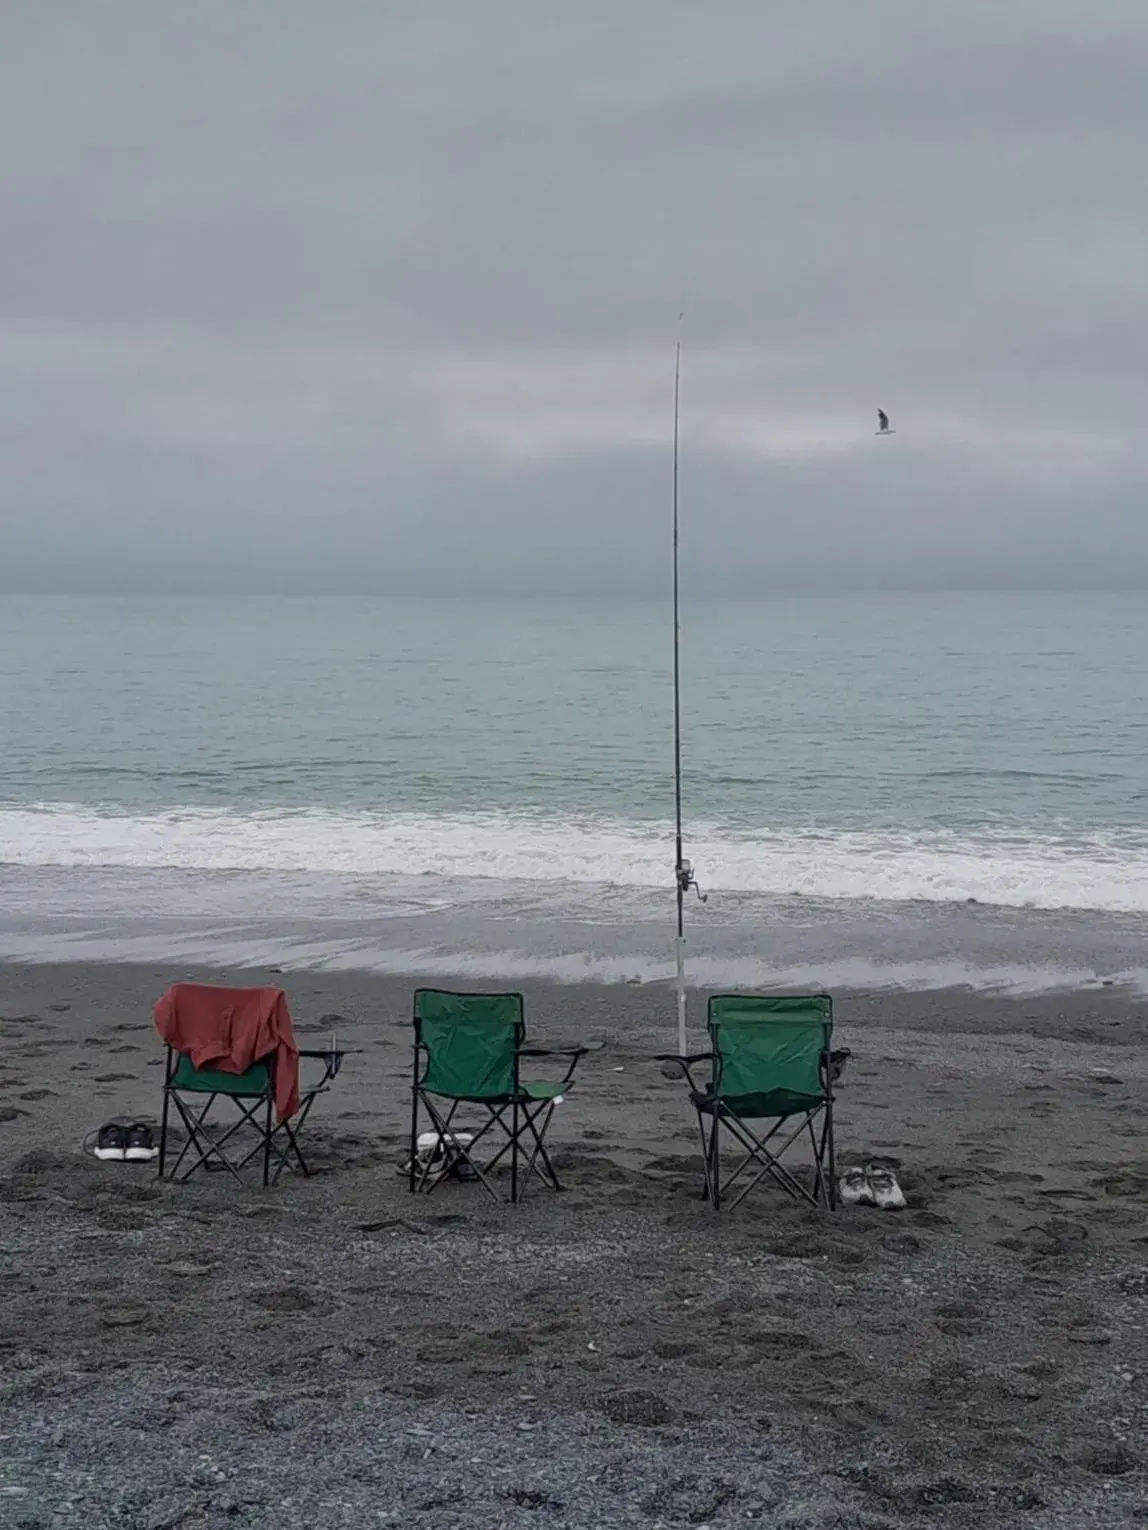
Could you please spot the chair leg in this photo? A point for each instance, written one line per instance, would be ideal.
(824, 1167)
(428, 1178)
(768, 1163)
(524, 1145)
(705, 1156)
(163, 1131)
(267, 1130)
(762, 1159)
(291, 1133)
(820, 1193)
(211, 1152)
(414, 1125)
(197, 1140)
(514, 1154)
(546, 1173)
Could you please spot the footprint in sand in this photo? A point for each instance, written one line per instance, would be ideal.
(1108, 1459)
(960, 1319)
(637, 1406)
(925, 1218)
(288, 1299)
(1129, 1179)
(901, 1243)
(123, 1318)
(675, 1349)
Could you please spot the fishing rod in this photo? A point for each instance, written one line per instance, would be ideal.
(684, 877)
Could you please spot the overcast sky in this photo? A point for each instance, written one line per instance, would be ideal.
(350, 295)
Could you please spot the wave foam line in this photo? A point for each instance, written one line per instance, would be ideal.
(1099, 872)
(228, 951)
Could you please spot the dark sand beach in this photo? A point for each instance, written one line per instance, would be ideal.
(334, 1352)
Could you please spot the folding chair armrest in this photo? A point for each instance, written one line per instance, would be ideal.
(572, 1054)
(685, 1064)
(332, 1060)
(833, 1066)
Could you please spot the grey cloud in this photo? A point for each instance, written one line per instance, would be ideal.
(379, 297)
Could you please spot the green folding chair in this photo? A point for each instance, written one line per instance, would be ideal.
(254, 1133)
(468, 1048)
(770, 1063)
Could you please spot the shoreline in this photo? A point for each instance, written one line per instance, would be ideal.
(488, 929)
(1102, 1012)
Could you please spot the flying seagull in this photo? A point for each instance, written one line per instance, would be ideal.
(883, 424)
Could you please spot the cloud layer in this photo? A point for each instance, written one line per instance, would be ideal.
(386, 297)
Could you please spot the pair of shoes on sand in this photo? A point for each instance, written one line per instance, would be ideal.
(119, 1143)
(872, 1185)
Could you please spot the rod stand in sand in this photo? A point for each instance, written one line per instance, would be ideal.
(685, 880)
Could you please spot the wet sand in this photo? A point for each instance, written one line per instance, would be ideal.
(335, 1352)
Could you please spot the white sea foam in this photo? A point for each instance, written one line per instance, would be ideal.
(232, 950)
(1101, 872)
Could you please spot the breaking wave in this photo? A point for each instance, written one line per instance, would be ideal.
(1101, 872)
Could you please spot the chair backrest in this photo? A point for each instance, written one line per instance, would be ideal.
(770, 1044)
(238, 1027)
(471, 1041)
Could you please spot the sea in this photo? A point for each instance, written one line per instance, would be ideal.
(878, 790)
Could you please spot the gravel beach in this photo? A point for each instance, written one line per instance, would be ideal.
(334, 1352)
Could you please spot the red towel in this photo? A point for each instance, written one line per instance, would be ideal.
(232, 1029)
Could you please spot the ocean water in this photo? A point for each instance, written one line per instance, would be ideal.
(878, 789)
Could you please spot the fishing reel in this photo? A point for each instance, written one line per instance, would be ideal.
(686, 880)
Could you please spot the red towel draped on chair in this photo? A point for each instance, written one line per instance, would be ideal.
(232, 1029)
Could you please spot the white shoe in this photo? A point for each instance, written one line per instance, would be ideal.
(887, 1193)
(435, 1154)
(855, 1188)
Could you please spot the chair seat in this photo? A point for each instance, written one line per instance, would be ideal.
(250, 1085)
(773, 1104)
(532, 1090)
(539, 1091)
